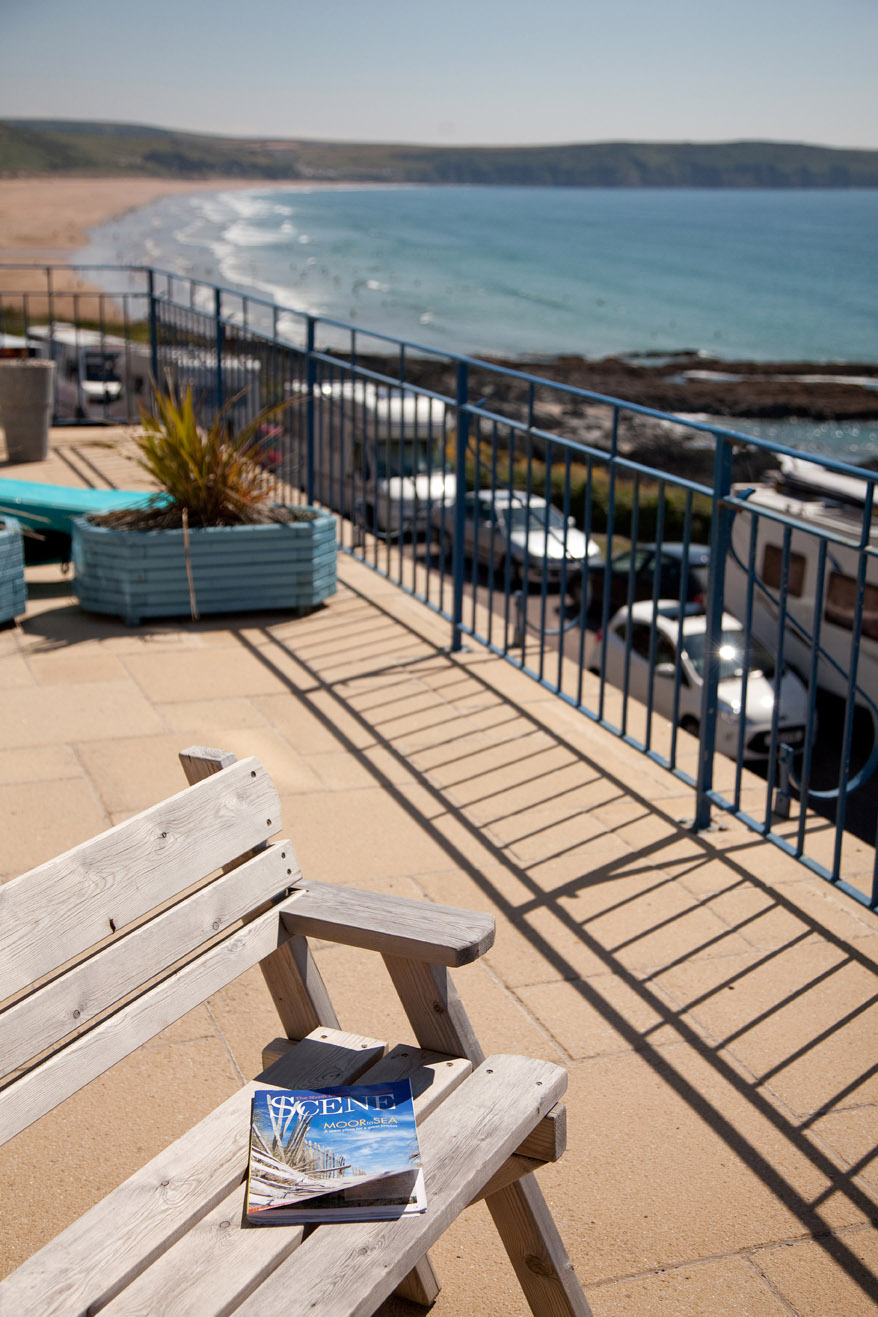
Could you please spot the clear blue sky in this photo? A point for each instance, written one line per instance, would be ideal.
(452, 71)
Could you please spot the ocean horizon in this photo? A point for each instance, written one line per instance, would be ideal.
(525, 273)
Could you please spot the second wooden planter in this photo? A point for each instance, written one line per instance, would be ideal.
(13, 591)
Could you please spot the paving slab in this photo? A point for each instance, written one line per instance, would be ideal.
(39, 819)
(211, 673)
(65, 715)
(727, 1287)
(799, 1273)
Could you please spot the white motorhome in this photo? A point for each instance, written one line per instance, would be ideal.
(381, 454)
(103, 377)
(819, 504)
(91, 374)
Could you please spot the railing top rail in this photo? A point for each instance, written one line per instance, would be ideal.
(366, 373)
(525, 377)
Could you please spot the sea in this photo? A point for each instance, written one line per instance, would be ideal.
(757, 275)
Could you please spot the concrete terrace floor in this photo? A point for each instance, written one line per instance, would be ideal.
(716, 1007)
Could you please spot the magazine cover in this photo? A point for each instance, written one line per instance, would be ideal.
(334, 1154)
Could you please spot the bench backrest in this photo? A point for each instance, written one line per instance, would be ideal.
(106, 945)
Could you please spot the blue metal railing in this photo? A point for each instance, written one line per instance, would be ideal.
(435, 462)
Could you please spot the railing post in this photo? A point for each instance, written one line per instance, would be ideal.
(311, 383)
(459, 495)
(220, 342)
(720, 540)
(50, 307)
(153, 327)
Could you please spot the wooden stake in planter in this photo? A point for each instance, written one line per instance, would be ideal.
(193, 604)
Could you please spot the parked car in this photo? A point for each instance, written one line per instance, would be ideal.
(680, 640)
(647, 560)
(530, 534)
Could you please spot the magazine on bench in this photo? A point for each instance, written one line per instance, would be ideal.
(334, 1154)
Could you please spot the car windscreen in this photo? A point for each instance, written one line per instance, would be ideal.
(732, 653)
(534, 518)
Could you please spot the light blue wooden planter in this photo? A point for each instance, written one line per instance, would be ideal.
(135, 574)
(13, 591)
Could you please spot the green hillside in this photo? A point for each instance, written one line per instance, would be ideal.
(30, 146)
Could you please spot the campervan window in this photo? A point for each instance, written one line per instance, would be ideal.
(100, 367)
(772, 567)
(410, 457)
(841, 601)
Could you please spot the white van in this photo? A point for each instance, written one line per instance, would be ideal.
(91, 370)
(818, 503)
(381, 454)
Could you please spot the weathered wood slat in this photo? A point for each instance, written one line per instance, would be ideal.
(348, 1270)
(88, 1056)
(67, 1004)
(218, 1263)
(435, 1070)
(211, 1269)
(99, 1254)
(71, 903)
(395, 925)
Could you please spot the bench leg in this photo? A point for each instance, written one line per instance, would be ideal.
(421, 1285)
(297, 989)
(520, 1213)
(536, 1251)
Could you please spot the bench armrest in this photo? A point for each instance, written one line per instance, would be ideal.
(393, 925)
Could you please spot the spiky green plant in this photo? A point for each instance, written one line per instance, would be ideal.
(205, 474)
(211, 470)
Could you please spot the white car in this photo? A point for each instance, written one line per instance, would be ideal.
(680, 646)
(530, 534)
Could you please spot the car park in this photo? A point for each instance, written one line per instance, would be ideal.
(662, 651)
(511, 528)
(632, 575)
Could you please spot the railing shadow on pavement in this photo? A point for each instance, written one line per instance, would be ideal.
(638, 872)
(650, 925)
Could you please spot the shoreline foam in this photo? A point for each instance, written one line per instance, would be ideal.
(43, 220)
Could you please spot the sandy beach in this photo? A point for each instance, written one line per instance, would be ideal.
(44, 220)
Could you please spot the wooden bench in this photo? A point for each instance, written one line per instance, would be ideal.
(105, 946)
